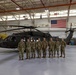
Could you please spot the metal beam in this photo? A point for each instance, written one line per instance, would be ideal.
(70, 5)
(16, 4)
(2, 8)
(68, 11)
(68, 17)
(1, 18)
(42, 3)
(60, 5)
(21, 8)
(14, 16)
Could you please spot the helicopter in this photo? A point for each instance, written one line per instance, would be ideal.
(12, 40)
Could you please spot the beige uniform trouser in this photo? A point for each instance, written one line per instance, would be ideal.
(56, 50)
(51, 51)
(21, 53)
(33, 52)
(39, 52)
(44, 52)
(62, 51)
(28, 51)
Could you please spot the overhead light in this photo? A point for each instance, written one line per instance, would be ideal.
(17, 8)
(46, 11)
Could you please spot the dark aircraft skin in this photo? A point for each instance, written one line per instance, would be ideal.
(69, 37)
(13, 40)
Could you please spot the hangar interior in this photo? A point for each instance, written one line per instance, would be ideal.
(38, 13)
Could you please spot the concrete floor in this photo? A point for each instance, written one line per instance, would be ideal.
(10, 65)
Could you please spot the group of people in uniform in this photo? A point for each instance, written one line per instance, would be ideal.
(41, 49)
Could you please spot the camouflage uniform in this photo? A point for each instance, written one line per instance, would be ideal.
(56, 49)
(51, 48)
(21, 48)
(63, 45)
(28, 49)
(33, 49)
(38, 47)
(44, 46)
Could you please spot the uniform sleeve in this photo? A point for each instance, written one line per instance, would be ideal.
(55, 44)
(18, 45)
(30, 44)
(42, 44)
(65, 43)
(59, 43)
(47, 43)
(24, 44)
(35, 44)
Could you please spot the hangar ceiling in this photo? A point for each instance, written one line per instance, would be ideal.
(17, 7)
(29, 6)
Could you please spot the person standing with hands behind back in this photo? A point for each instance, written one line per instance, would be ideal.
(44, 46)
(21, 48)
(38, 48)
(28, 49)
(51, 47)
(62, 50)
(33, 48)
(57, 47)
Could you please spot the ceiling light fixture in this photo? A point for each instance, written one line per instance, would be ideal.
(17, 8)
(46, 11)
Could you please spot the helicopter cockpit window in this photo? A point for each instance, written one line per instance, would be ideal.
(8, 39)
(13, 38)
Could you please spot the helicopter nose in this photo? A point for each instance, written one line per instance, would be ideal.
(1, 44)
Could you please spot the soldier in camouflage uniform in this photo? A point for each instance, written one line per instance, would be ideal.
(44, 46)
(28, 49)
(21, 48)
(56, 49)
(62, 49)
(38, 48)
(51, 47)
(33, 47)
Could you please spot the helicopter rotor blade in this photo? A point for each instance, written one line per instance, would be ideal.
(11, 30)
(38, 30)
(19, 27)
(31, 27)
